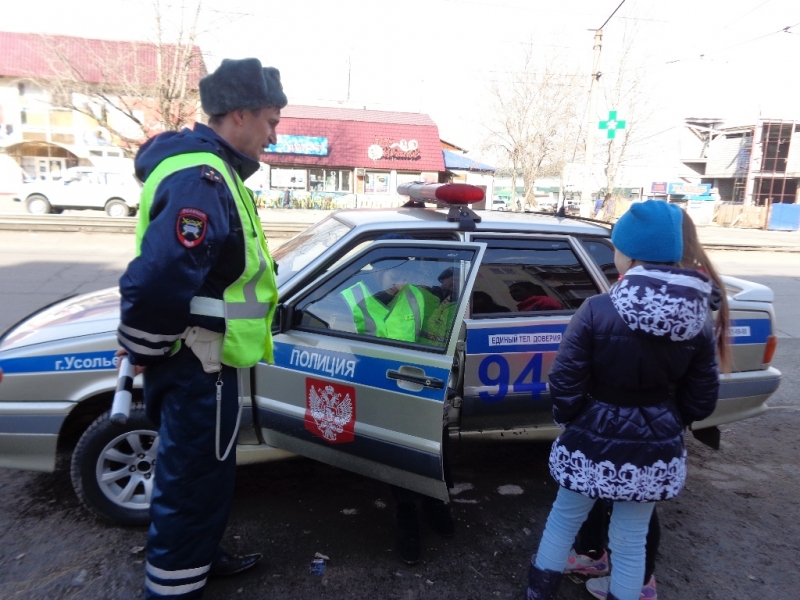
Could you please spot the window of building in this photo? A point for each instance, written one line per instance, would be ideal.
(288, 178)
(330, 180)
(777, 190)
(376, 183)
(62, 138)
(34, 118)
(408, 178)
(775, 138)
(60, 118)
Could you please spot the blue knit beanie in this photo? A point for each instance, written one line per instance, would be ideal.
(650, 231)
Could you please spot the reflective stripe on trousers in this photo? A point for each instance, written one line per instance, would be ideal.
(175, 583)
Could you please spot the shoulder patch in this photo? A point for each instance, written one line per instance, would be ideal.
(191, 227)
(211, 174)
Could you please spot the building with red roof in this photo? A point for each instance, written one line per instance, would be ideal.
(339, 156)
(55, 91)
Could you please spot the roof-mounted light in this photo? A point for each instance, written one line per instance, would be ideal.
(442, 193)
(454, 195)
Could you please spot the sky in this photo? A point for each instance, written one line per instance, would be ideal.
(726, 59)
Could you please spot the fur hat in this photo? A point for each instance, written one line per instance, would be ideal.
(650, 231)
(239, 85)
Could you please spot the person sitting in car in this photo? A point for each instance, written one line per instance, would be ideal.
(398, 311)
(483, 303)
(532, 297)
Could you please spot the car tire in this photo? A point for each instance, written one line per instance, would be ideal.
(38, 205)
(113, 468)
(117, 209)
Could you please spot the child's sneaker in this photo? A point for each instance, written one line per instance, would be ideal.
(581, 564)
(599, 588)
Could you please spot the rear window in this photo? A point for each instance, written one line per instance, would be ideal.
(529, 276)
(602, 251)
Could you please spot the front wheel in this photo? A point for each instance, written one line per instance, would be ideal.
(117, 209)
(113, 468)
(38, 205)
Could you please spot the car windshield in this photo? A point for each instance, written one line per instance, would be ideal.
(295, 254)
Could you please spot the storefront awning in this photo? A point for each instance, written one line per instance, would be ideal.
(459, 162)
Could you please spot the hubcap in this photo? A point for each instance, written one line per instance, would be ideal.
(36, 207)
(117, 210)
(125, 466)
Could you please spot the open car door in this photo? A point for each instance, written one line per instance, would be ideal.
(363, 362)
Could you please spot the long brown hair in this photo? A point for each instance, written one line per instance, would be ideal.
(695, 257)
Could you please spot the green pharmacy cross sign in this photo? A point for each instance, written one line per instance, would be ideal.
(612, 124)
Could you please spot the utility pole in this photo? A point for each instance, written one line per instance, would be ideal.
(591, 127)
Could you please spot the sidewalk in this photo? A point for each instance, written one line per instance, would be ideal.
(750, 239)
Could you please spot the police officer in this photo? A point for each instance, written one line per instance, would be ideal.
(399, 311)
(197, 303)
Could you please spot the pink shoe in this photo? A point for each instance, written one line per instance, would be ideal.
(581, 564)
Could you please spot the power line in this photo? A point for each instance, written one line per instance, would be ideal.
(760, 37)
(612, 14)
(739, 18)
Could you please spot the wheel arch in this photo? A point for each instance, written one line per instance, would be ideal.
(85, 413)
(39, 195)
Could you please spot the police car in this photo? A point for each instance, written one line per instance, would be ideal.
(360, 398)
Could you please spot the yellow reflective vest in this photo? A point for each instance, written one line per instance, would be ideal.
(403, 319)
(248, 304)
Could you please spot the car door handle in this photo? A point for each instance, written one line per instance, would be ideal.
(431, 382)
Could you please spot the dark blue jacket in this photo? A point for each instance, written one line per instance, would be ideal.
(636, 366)
(159, 284)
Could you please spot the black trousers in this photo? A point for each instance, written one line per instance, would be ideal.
(193, 491)
(592, 538)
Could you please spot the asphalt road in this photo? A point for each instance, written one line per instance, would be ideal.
(733, 533)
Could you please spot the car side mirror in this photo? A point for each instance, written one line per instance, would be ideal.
(282, 321)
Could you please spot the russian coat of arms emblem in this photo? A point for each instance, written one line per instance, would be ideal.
(330, 410)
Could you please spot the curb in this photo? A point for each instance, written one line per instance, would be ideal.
(110, 225)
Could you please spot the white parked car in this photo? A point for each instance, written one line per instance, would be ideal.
(83, 188)
(362, 402)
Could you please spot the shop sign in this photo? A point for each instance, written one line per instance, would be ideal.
(659, 188)
(387, 148)
(300, 144)
(689, 189)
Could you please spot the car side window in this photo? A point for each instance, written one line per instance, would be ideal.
(524, 276)
(405, 296)
(602, 252)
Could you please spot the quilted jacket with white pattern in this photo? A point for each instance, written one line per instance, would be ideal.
(636, 366)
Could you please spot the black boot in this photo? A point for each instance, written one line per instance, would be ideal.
(611, 596)
(439, 517)
(542, 584)
(228, 564)
(408, 533)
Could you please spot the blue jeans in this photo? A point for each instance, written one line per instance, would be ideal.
(626, 539)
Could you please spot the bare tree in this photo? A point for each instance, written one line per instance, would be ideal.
(131, 89)
(535, 120)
